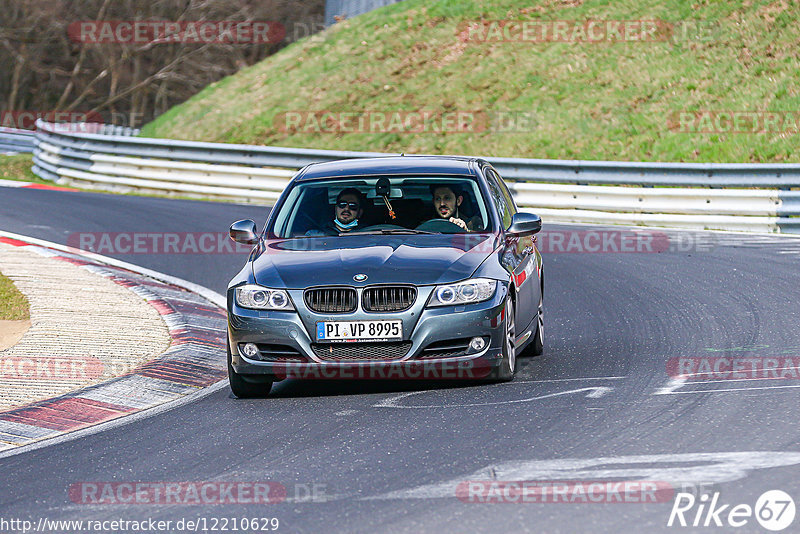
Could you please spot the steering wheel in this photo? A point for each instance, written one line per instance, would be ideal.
(440, 225)
(303, 224)
(382, 227)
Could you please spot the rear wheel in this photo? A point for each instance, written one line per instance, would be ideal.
(247, 386)
(508, 364)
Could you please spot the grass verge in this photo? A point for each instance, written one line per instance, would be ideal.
(18, 167)
(13, 304)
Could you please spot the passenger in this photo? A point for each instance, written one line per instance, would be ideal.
(446, 202)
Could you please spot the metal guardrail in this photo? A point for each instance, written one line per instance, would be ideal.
(14, 140)
(351, 8)
(18, 140)
(688, 195)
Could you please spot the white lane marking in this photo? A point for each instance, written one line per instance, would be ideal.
(595, 392)
(598, 392)
(677, 382)
(709, 468)
(771, 369)
(566, 379)
(740, 380)
(344, 413)
(673, 384)
(755, 388)
(392, 401)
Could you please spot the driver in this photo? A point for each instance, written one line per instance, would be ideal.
(348, 209)
(446, 200)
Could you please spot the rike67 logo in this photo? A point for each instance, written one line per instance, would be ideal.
(774, 510)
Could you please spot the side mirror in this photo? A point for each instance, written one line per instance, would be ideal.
(244, 232)
(523, 224)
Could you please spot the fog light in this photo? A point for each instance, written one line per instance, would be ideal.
(250, 350)
(477, 344)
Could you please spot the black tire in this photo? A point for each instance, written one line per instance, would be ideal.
(536, 346)
(507, 368)
(247, 386)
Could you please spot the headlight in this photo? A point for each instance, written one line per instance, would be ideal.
(467, 292)
(262, 298)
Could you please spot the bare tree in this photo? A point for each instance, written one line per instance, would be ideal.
(45, 67)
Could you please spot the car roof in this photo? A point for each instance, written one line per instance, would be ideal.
(390, 165)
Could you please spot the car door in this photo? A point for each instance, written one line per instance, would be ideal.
(518, 255)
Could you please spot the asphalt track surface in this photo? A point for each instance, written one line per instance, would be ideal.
(387, 456)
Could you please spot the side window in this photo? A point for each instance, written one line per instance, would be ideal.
(282, 221)
(512, 206)
(501, 198)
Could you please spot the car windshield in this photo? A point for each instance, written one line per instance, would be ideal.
(382, 205)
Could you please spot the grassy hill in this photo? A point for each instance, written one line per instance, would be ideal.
(13, 304)
(612, 99)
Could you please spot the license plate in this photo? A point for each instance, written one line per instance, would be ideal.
(359, 330)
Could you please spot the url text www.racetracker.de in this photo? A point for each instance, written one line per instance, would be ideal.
(185, 524)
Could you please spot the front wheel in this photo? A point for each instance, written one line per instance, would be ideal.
(247, 386)
(508, 364)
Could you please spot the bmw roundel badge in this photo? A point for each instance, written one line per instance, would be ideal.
(360, 277)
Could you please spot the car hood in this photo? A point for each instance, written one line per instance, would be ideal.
(415, 259)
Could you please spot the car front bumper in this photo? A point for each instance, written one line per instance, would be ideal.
(422, 327)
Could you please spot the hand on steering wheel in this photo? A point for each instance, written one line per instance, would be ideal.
(458, 222)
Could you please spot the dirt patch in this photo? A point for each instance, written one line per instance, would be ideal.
(12, 331)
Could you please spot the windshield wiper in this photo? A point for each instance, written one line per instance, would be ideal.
(405, 231)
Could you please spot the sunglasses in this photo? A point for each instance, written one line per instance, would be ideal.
(342, 205)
